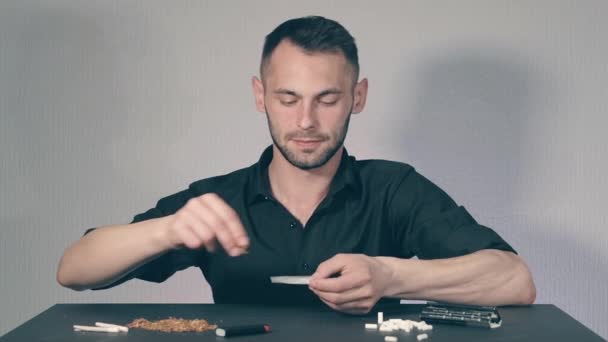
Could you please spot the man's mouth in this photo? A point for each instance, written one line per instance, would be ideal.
(307, 142)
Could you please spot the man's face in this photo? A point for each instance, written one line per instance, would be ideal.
(308, 99)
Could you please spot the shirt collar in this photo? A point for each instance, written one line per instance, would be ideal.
(346, 177)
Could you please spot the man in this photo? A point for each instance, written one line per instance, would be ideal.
(307, 208)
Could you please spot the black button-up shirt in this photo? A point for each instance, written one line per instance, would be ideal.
(373, 207)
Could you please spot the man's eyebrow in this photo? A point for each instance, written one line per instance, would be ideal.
(331, 91)
(285, 91)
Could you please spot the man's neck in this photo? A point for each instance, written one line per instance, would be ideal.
(301, 191)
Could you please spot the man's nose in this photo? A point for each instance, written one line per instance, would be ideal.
(307, 117)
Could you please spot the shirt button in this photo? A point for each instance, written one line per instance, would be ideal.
(305, 266)
(293, 225)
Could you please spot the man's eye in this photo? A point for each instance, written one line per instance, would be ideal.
(288, 103)
(329, 99)
(329, 103)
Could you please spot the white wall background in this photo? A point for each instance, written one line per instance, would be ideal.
(106, 106)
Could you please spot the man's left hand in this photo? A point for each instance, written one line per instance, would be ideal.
(351, 283)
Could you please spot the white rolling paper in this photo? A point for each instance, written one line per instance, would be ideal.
(291, 280)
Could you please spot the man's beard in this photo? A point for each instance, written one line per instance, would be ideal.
(303, 163)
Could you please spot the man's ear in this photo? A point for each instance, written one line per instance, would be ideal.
(258, 94)
(360, 96)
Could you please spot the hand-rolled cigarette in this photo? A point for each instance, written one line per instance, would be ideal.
(95, 329)
(108, 325)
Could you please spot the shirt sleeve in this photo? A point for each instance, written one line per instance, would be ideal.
(161, 268)
(430, 225)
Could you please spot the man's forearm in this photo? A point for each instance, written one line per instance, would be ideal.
(106, 254)
(486, 277)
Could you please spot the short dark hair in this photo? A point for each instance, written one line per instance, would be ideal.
(313, 34)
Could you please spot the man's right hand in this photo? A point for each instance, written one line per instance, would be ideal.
(205, 221)
(109, 253)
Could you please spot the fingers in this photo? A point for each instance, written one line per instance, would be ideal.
(357, 307)
(340, 298)
(350, 273)
(329, 267)
(192, 232)
(343, 283)
(354, 291)
(207, 220)
(228, 218)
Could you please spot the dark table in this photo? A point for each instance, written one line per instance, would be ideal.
(541, 322)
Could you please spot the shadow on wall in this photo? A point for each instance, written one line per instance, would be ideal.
(568, 270)
(467, 123)
(468, 132)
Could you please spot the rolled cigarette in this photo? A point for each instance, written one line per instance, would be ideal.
(422, 337)
(108, 325)
(95, 329)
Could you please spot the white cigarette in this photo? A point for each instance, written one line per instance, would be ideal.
(108, 325)
(422, 337)
(96, 329)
